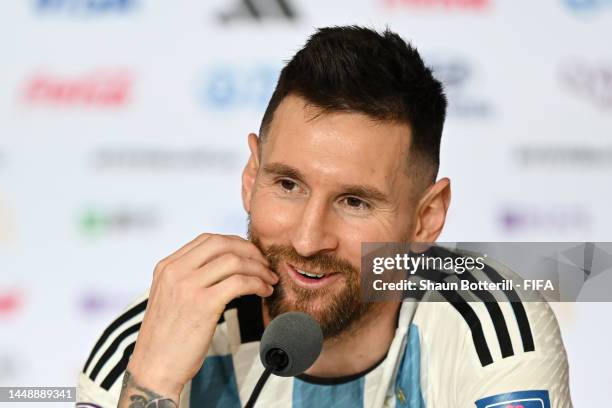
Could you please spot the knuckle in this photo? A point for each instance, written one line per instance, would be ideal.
(167, 273)
(202, 236)
(215, 239)
(160, 266)
(232, 261)
(169, 269)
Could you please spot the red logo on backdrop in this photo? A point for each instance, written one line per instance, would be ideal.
(442, 4)
(101, 88)
(9, 302)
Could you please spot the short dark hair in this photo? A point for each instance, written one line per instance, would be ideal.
(357, 69)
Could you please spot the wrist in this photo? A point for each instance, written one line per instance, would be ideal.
(155, 378)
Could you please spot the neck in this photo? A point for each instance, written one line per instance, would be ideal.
(360, 347)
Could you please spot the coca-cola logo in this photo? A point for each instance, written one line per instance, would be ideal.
(100, 88)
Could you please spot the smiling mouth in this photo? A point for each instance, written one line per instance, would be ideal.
(309, 274)
(311, 280)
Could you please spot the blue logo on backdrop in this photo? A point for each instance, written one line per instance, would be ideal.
(85, 7)
(462, 84)
(588, 5)
(225, 88)
(519, 399)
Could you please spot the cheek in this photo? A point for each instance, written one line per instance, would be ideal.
(271, 219)
(391, 227)
(354, 232)
(351, 235)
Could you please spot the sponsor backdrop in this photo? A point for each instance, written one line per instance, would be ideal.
(123, 129)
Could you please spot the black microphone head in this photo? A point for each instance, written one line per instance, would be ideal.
(290, 344)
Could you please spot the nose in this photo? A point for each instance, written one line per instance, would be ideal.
(314, 231)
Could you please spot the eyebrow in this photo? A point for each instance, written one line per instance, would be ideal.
(280, 169)
(367, 192)
(363, 191)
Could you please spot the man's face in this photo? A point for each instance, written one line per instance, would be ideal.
(324, 185)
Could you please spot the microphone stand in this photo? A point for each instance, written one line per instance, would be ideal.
(262, 380)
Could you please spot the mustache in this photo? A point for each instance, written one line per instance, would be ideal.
(325, 263)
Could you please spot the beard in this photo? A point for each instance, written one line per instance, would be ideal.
(335, 309)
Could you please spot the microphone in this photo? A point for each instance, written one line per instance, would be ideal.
(289, 346)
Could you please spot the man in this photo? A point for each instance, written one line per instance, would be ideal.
(347, 152)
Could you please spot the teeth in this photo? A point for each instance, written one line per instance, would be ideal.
(310, 275)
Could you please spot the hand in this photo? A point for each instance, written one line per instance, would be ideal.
(189, 292)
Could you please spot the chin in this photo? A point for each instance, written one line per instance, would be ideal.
(312, 305)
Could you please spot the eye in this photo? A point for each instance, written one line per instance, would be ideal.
(356, 203)
(286, 184)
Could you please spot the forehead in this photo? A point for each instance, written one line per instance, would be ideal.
(342, 146)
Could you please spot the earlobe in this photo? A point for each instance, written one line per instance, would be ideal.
(249, 174)
(432, 210)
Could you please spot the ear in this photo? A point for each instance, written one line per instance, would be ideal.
(431, 211)
(249, 174)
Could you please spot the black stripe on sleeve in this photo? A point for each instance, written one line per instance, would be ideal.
(119, 368)
(518, 308)
(513, 297)
(139, 308)
(466, 311)
(250, 318)
(112, 349)
(470, 317)
(497, 317)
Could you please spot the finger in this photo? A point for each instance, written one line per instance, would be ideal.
(185, 248)
(215, 246)
(240, 285)
(229, 264)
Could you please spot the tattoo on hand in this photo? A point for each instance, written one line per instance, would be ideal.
(141, 397)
